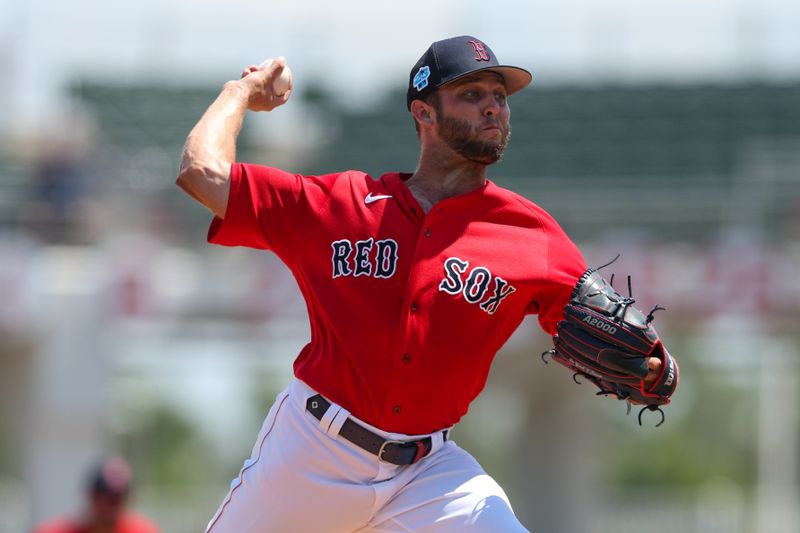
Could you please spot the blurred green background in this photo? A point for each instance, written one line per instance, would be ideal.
(667, 133)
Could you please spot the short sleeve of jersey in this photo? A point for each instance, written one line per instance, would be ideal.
(267, 207)
(565, 265)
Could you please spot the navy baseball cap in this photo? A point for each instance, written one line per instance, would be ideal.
(112, 476)
(450, 59)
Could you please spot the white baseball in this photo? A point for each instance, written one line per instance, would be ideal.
(281, 84)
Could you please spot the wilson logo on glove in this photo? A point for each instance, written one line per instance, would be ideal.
(670, 377)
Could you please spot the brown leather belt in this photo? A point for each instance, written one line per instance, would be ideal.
(396, 452)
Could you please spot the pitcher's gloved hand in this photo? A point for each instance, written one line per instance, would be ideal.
(614, 345)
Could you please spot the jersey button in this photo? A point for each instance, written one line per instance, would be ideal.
(396, 410)
(406, 358)
(413, 307)
(427, 232)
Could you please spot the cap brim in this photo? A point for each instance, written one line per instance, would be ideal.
(516, 78)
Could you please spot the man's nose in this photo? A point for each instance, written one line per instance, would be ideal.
(491, 108)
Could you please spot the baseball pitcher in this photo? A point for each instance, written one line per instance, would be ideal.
(413, 281)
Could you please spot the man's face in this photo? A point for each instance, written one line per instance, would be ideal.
(472, 117)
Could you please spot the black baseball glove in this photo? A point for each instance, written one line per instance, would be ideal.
(606, 340)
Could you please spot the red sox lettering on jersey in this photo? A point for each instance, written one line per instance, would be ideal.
(475, 286)
(358, 259)
(378, 258)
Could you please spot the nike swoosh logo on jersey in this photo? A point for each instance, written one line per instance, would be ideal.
(372, 199)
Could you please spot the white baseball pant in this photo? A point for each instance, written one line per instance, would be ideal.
(302, 477)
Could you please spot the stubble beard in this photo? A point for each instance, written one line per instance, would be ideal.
(463, 139)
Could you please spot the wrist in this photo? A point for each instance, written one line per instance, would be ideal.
(237, 90)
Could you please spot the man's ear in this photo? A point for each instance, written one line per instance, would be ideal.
(423, 112)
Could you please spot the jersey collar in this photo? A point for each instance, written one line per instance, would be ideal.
(395, 183)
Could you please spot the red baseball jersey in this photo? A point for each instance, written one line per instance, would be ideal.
(128, 522)
(407, 309)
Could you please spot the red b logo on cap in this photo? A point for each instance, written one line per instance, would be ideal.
(480, 51)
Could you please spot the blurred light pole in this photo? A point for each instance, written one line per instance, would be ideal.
(777, 495)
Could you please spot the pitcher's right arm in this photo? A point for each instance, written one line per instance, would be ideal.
(210, 148)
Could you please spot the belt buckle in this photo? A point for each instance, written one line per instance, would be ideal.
(383, 448)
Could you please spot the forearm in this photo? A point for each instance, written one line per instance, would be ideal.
(211, 148)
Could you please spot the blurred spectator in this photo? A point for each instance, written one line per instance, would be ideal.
(55, 206)
(106, 510)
